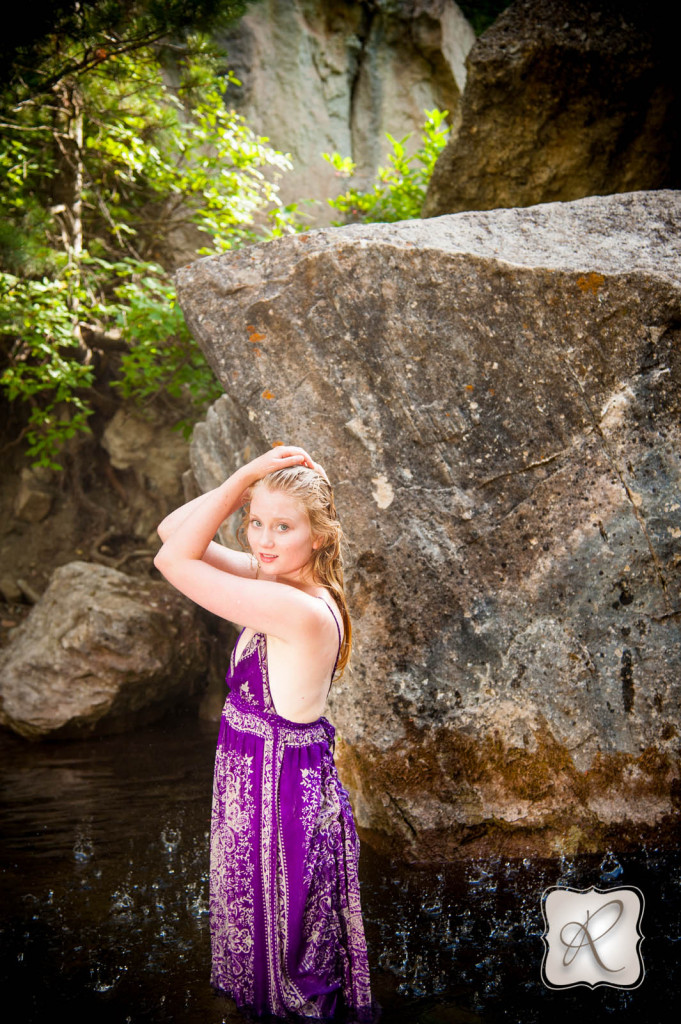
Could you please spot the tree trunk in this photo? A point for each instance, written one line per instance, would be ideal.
(68, 192)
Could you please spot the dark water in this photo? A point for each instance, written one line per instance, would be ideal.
(103, 889)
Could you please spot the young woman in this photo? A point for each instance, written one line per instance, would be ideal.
(286, 925)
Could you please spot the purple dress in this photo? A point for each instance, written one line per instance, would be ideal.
(285, 917)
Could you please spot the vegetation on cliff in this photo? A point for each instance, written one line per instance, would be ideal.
(119, 157)
(399, 190)
(117, 148)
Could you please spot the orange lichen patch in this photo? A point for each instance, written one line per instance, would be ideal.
(277, 444)
(253, 334)
(492, 391)
(590, 282)
(267, 394)
(469, 387)
(257, 352)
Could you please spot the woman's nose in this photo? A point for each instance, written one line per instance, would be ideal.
(267, 539)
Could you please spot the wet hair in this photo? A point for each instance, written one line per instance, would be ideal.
(316, 496)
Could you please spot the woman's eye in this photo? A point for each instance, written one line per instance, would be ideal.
(283, 527)
(255, 522)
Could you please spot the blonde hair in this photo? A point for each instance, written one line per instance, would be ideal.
(316, 496)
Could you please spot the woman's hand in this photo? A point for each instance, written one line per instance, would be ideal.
(322, 472)
(280, 457)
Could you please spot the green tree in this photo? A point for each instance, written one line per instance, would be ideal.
(99, 174)
(47, 40)
(400, 187)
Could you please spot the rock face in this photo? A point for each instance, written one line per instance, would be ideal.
(496, 397)
(157, 455)
(100, 652)
(563, 99)
(319, 77)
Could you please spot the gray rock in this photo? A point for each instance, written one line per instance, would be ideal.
(496, 397)
(10, 591)
(34, 498)
(156, 452)
(157, 455)
(318, 77)
(100, 652)
(563, 99)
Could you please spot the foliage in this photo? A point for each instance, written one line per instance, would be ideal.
(118, 147)
(46, 40)
(164, 357)
(400, 188)
(205, 167)
(482, 13)
(44, 368)
(100, 176)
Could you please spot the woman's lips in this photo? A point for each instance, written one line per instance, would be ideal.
(267, 558)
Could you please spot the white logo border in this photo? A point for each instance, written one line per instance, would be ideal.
(600, 892)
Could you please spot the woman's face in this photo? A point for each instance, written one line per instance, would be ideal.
(279, 534)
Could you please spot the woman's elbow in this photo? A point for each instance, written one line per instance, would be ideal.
(161, 561)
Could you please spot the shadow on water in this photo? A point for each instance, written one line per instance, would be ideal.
(104, 895)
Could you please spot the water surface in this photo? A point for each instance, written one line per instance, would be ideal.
(104, 895)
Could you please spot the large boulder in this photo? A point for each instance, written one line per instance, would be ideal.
(324, 76)
(496, 397)
(564, 99)
(100, 652)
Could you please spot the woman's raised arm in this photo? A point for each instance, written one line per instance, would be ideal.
(258, 604)
(227, 559)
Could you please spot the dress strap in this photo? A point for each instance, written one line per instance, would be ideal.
(333, 616)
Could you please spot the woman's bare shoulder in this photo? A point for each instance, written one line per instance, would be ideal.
(324, 595)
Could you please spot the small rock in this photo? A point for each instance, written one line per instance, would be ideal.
(33, 501)
(100, 652)
(29, 592)
(9, 589)
(158, 454)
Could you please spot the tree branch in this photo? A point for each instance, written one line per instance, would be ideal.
(88, 61)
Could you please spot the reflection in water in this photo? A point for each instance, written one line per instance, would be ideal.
(104, 895)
